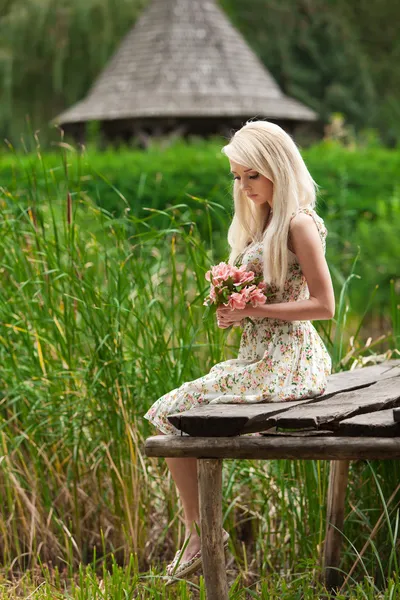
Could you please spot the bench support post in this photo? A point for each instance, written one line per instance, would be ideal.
(209, 472)
(338, 477)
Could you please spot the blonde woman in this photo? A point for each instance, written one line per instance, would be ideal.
(276, 232)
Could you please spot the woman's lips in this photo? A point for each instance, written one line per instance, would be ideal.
(252, 195)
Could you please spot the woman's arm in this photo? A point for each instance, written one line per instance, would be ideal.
(308, 248)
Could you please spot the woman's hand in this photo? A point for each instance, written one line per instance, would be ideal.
(227, 316)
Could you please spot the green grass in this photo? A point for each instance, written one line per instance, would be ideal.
(99, 316)
(126, 583)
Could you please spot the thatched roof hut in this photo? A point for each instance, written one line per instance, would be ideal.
(182, 67)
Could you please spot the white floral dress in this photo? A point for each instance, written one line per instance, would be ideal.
(277, 361)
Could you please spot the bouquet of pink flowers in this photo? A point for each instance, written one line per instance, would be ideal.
(233, 286)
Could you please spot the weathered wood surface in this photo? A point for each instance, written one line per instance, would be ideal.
(221, 420)
(338, 477)
(261, 447)
(235, 419)
(378, 396)
(379, 423)
(349, 380)
(302, 433)
(209, 473)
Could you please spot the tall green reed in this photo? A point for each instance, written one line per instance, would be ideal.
(92, 330)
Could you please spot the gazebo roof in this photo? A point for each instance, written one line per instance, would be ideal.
(183, 58)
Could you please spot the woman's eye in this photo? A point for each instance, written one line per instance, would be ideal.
(250, 177)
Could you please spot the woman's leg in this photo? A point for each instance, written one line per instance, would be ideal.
(184, 474)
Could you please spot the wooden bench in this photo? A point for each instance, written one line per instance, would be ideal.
(352, 420)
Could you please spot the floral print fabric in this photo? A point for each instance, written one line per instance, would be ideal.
(277, 361)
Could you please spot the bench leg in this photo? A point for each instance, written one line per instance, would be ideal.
(212, 549)
(334, 521)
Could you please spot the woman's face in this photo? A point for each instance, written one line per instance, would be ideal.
(258, 189)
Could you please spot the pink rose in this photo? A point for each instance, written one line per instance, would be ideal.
(241, 275)
(236, 301)
(219, 273)
(257, 297)
(252, 292)
(247, 291)
(246, 277)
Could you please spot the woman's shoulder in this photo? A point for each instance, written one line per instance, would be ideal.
(309, 210)
(318, 220)
(305, 209)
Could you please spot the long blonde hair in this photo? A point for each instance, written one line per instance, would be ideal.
(267, 148)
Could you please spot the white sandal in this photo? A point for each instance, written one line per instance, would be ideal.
(186, 568)
(171, 565)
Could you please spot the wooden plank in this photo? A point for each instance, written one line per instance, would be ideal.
(358, 378)
(260, 447)
(297, 433)
(221, 420)
(379, 423)
(235, 419)
(212, 547)
(381, 395)
(338, 477)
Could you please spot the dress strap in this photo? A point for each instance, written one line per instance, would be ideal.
(319, 222)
